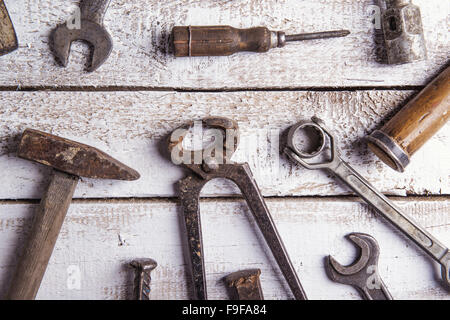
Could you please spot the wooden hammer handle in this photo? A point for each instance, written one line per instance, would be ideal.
(44, 233)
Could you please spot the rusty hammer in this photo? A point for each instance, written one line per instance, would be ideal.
(70, 161)
(8, 38)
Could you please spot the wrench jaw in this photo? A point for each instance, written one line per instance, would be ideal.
(362, 274)
(92, 33)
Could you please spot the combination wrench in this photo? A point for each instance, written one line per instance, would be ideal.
(363, 188)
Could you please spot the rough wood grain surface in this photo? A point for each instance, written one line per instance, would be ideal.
(99, 239)
(128, 107)
(133, 127)
(141, 55)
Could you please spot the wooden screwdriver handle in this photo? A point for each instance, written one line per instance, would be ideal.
(221, 40)
(414, 125)
(47, 223)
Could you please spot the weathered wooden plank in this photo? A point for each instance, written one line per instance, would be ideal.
(141, 56)
(98, 239)
(133, 126)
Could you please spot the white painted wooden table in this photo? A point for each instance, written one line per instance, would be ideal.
(142, 92)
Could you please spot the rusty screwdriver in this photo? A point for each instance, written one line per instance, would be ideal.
(189, 41)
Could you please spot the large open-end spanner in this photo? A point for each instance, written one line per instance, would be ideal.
(364, 189)
(91, 30)
(363, 273)
(210, 162)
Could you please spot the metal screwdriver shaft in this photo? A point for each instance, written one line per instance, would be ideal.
(317, 35)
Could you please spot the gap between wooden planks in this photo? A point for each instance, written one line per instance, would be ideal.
(231, 198)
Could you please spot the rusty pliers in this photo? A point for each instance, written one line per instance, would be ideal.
(210, 162)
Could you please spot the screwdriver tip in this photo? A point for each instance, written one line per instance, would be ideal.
(318, 35)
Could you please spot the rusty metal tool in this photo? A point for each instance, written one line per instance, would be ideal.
(143, 267)
(211, 162)
(403, 32)
(414, 124)
(362, 187)
(245, 285)
(91, 30)
(363, 273)
(70, 160)
(8, 38)
(190, 41)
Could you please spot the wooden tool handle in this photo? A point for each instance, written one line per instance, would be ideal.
(8, 38)
(414, 125)
(45, 230)
(220, 40)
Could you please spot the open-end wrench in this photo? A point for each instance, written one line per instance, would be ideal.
(91, 30)
(363, 273)
(365, 190)
(211, 162)
(245, 285)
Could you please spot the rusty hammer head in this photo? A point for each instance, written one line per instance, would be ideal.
(90, 29)
(72, 157)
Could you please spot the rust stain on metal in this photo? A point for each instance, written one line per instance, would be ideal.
(72, 157)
